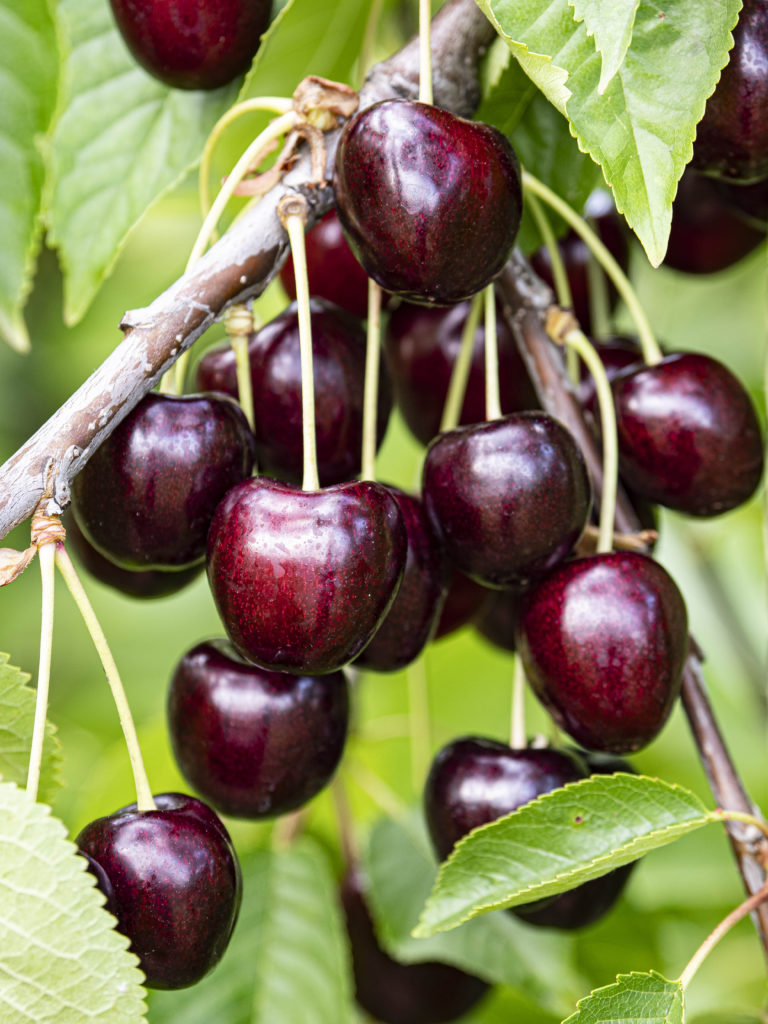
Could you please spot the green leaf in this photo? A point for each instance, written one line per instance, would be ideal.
(558, 841)
(17, 715)
(633, 999)
(288, 959)
(641, 128)
(400, 868)
(610, 23)
(28, 67)
(60, 958)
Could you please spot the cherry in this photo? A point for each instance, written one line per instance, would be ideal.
(190, 45)
(732, 137)
(603, 640)
(510, 498)
(302, 579)
(689, 437)
(430, 203)
(422, 344)
(748, 201)
(464, 601)
(333, 271)
(498, 617)
(395, 993)
(254, 743)
(146, 497)
(338, 350)
(413, 617)
(174, 884)
(616, 354)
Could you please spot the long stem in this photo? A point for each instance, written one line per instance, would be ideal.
(492, 393)
(144, 800)
(460, 374)
(239, 343)
(651, 351)
(518, 737)
(369, 38)
(371, 385)
(45, 553)
(425, 51)
(419, 720)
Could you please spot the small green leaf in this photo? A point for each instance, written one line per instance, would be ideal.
(633, 999)
(60, 957)
(552, 844)
(28, 65)
(17, 715)
(610, 22)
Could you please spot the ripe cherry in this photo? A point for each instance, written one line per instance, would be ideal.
(464, 601)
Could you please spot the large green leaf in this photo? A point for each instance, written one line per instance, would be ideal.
(552, 844)
(633, 999)
(400, 868)
(17, 715)
(288, 960)
(641, 128)
(610, 22)
(60, 958)
(28, 74)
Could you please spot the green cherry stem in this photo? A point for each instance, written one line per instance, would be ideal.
(144, 799)
(239, 325)
(46, 553)
(460, 373)
(651, 351)
(369, 40)
(425, 52)
(419, 720)
(721, 814)
(518, 738)
(371, 385)
(492, 392)
(717, 933)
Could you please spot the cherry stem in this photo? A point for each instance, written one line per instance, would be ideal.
(369, 39)
(239, 325)
(454, 400)
(599, 306)
(347, 839)
(425, 52)
(518, 738)
(419, 720)
(492, 393)
(144, 799)
(717, 933)
(288, 828)
(46, 554)
(651, 351)
(722, 814)
(382, 794)
(371, 385)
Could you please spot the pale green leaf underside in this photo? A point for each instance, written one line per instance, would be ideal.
(28, 81)
(633, 999)
(610, 23)
(61, 961)
(564, 838)
(641, 129)
(17, 714)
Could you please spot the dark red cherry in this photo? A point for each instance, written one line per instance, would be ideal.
(689, 437)
(748, 201)
(510, 498)
(338, 350)
(603, 640)
(193, 45)
(333, 271)
(175, 885)
(616, 354)
(463, 603)
(413, 617)
(395, 993)
(610, 226)
(254, 743)
(430, 203)
(131, 582)
(303, 579)
(422, 344)
(706, 234)
(146, 497)
(732, 137)
(498, 617)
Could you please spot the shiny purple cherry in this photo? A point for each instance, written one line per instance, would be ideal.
(302, 579)
(604, 640)
(174, 885)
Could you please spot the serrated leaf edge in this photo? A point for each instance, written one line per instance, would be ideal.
(613, 984)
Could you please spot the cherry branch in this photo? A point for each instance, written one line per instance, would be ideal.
(238, 267)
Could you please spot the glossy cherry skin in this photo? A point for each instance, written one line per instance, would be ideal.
(333, 271)
(509, 498)
(430, 203)
(395, 993)
(175, 885)
(146, 497)
(338, 351)
(689, 437)
(732, 137)
(303, 579)
(604, 640)
(464, 601)
(422, 344)
(192, 45)
(254, 743)
(413, 617)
